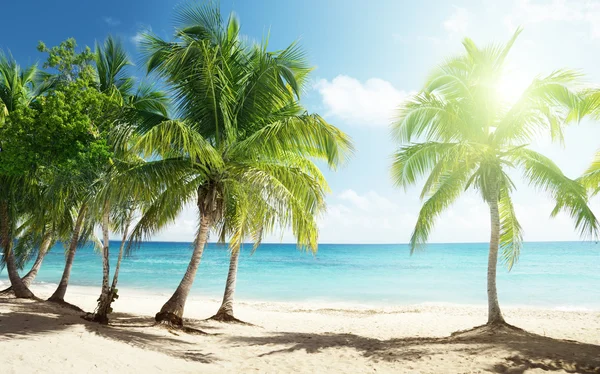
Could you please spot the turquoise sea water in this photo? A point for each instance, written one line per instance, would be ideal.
(553, 274)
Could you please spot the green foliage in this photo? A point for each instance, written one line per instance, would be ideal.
(472, 139)
(63, 128)
(68, 63)
(240, 143)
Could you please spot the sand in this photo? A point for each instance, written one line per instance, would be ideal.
(286, 337)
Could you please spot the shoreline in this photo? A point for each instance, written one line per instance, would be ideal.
(86, 292)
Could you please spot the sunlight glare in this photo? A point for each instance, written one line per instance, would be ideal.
(511, 86)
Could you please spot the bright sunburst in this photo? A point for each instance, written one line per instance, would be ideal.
(511, 86)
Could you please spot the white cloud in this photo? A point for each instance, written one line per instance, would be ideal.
(372, 103)
(458, 21)
(111, 21)
(137, 38)
(184, 228)
(409, 39)
(353, 217)
(576, 11)
(371, 201)
(370, 217)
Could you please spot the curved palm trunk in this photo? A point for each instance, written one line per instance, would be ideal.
(35, 268)
(30, 276)
(20, 289)
(172, 312)
(494, 313)
(106, 300)
(225, 313)
(102, 310)
(61, 290)
(121, 251)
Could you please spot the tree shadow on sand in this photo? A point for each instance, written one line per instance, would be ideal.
(27, 319)
(517, 350)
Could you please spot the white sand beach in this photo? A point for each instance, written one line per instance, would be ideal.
(285, 337)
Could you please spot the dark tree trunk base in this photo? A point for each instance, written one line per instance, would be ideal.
(64, 304)
(227, 318)
(29, 296)
(169, 319)
(93, 317)
(493, 328)
(11, 294)
(172, 322)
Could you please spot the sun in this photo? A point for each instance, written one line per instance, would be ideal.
(511, 86)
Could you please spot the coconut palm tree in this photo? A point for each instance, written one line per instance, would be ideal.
(19, 88)
(240, 145)
(115, 196)
(9, 196)
(34, 237)
(471, 139)
(76, 201)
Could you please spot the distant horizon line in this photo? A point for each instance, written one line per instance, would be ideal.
(390, 243)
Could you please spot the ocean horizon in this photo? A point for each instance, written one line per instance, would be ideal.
(556, 275)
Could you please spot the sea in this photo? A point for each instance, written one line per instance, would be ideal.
(557, 275)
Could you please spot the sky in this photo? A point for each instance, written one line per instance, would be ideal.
(368, 57)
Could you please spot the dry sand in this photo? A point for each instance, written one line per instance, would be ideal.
(286, 338)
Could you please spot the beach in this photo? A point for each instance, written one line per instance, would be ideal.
(373, 187)
(290, 337)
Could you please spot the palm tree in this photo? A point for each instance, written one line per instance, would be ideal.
(34, 237)
(117, 197)
(81, 232)
(471, 139)
(241, 144)
(8, 216)
(18, 88)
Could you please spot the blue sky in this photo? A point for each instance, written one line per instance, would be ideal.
(368, 55)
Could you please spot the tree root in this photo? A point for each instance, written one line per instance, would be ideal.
(228, 318)
(489, 329)
(94, 317)
(169, 319)
(173, 328)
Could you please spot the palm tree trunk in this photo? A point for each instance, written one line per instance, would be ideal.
(121, 251)
(44, 247)
(494, 313)
(20, 289)
(225, 312)
(172, 312)
(30, 276)
(102, 310)
(61, 290)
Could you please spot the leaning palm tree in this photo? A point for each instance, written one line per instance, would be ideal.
(471, 139)
(240, 145)
(19, 88)
(75, 200)
(35, 237)
(116, 198)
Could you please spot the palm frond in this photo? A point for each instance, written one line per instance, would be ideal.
(447, 190)
(570, 196)
(511, 236)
